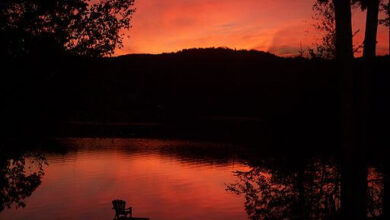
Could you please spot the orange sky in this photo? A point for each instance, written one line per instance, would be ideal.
(277, 26)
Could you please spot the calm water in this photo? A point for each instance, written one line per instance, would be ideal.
(158, 178)
(172, 179)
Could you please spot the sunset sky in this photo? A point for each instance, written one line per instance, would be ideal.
(277, 26)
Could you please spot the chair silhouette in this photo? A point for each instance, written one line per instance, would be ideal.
(120, 209)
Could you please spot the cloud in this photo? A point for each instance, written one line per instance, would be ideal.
(288, 40)
(170, 25)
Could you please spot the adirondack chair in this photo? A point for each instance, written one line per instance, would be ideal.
(120, 209)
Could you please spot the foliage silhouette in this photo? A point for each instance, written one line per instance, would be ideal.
(75, 26)
(275, 190)
(20, 175)
(324, 22)
(386, 9)
(353, 118)
(386, 20)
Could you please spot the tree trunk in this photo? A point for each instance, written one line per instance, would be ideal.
(344, 51)
(369, 51)
(352, 166)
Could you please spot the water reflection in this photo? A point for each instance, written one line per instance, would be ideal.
(20, 175)
(153, 176)
(157, 176)
(310, 191)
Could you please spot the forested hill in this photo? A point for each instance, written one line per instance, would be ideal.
(209, 53)
(285, 95)
(210, 81)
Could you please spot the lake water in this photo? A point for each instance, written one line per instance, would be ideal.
(171, 179)
(160, 179)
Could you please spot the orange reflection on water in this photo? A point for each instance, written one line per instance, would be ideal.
(81, 184)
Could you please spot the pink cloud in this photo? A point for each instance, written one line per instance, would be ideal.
(275, 25)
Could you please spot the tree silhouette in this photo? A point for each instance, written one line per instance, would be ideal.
(386, 21)
(267, 196)
(308, 191)
(352, 133)
(20, 175)
(75, 26)
(324, 22)
(372, 7)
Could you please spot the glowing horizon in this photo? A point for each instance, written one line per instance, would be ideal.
(272, 26)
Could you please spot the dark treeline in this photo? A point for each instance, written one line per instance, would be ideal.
(243, 95)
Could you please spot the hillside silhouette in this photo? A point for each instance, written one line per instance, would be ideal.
(213, 92)
(213, 52)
